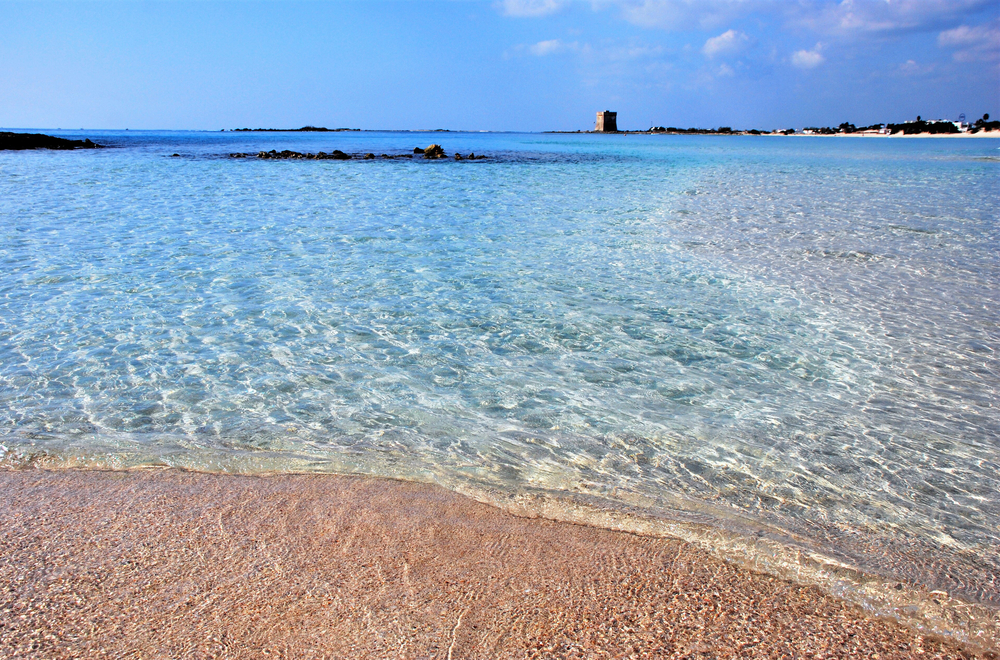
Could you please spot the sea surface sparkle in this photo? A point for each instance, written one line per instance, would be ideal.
(782, 348)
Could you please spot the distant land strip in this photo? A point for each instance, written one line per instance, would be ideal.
(304, 129)
(916, 127)
(322, 129)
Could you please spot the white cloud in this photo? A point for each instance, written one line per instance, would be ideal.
(548, 47)
(726, 43)
(607, 52)
(972, 43)
(844, 18)
(682, 14)
(808, 59)
(628, 52)
(854, 17)
(725, 71)
(529, 8)
(543, 48)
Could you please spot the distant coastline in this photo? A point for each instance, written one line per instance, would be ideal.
(321, 129)
(919, 127)
(304, 129)
(980, 134)
(31, 141)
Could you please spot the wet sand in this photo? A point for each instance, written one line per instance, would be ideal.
(164, 563)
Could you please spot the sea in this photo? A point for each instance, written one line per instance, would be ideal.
(782, 349)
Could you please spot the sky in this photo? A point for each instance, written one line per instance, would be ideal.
(505, 65)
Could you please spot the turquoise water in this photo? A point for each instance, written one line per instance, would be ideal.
(784, 349)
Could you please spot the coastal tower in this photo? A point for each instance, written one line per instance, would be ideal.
(607, 122)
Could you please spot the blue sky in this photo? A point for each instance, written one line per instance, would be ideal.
(495, 65)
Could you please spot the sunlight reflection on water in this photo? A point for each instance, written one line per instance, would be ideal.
(787, 339)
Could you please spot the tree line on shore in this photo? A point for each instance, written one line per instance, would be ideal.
(917, 127)
(722, 130)
(941, 127)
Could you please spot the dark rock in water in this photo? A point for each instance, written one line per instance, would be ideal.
(418, 150)
(295, 155)
(230, 155)
(21, 141)
(434, 151)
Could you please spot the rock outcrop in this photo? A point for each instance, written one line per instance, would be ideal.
(434, 151)
(21, 141)
(337, 154)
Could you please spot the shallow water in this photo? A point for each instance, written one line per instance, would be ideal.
(785, 349)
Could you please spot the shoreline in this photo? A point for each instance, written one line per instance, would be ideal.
(981, 134)
(989, 134)
(707, 132)
(712, 133)
(161, 561)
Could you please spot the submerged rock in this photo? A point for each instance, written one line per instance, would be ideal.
(369, 156)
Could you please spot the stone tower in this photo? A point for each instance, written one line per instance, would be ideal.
(607, 122)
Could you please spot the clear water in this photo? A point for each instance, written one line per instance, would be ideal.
(785, 349)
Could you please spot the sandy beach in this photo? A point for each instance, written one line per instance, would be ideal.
(165, 563)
